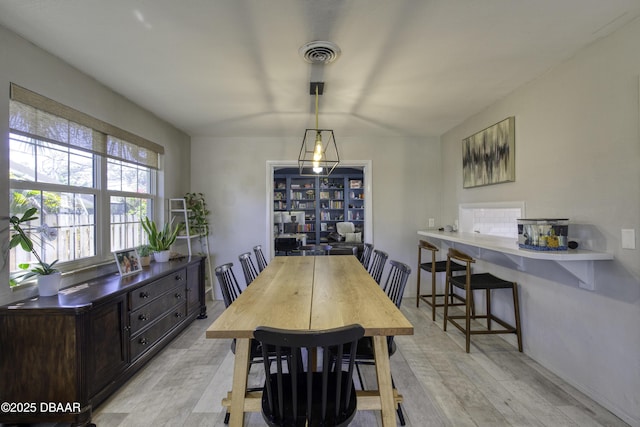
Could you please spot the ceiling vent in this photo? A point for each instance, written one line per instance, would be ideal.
(320, 52)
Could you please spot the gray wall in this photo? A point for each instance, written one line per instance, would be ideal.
(25, 64)
(577, 157)
(231, 172)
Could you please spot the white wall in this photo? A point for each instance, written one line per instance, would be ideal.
(25, 64)
(231, 172)
(577, 157)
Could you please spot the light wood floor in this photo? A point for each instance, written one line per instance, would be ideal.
(442, 385)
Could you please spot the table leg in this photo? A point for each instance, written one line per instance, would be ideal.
(383, 372)
(239, 387)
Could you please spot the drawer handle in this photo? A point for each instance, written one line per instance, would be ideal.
(178, 295)
(143, 341)
(144, 294)
(178, 314)
(143, 317)
(178, 277)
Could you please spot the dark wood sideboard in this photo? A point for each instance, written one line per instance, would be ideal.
(62, 356)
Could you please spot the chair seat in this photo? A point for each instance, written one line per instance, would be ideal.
(331, 420)
(481, 281)
(441, 266)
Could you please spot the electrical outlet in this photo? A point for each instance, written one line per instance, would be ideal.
(628, 238)
(432, 222)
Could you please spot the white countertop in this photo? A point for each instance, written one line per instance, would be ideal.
(510, 246)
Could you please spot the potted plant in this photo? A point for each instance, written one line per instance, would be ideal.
(198, 223)
(160, 240)
(144, 252)
(48, 276)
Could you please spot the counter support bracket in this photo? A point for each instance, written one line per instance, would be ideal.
(582, 270)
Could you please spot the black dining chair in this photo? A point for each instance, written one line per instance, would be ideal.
(262, 261)
(248, 267)
(230, 291)
(228, 283)
(377, 264)
(394, 288)
(300, 393)
(365, 259)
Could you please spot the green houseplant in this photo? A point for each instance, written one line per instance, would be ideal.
(19, 237)
(144, 252)
(160, 240)
(197, 206)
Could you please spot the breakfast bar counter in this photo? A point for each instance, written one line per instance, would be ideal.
(578, 262)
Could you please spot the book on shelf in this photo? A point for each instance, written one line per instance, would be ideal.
(355, 183)
(354, 216)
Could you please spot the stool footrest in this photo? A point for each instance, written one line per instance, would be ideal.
(427, 298)
(508, 329)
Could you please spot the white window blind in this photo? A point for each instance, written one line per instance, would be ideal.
(35, 116)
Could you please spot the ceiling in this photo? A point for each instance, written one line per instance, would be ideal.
(224, 68)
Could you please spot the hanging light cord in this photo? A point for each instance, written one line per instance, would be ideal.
(316, 107)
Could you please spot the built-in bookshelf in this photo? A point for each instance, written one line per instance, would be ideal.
(355, 209)
(280, 194)
(324, 202)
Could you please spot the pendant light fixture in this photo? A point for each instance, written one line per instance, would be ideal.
(319, 152)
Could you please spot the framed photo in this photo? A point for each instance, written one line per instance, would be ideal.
(128, 261)
(488, 157)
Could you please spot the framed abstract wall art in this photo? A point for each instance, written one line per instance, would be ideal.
(488, 157)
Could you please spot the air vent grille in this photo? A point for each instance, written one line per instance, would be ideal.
(320, 52)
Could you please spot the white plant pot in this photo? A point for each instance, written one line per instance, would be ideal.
(49, 284)
(162, 256)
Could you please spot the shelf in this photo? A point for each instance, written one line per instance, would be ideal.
(178, 210)
(579, 263)
(324, 201)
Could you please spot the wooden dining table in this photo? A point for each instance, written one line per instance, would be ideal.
(312, 293)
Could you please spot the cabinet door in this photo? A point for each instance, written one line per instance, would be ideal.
(107, 343)
(193, 288)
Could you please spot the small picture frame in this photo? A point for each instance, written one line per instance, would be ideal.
(128, 261)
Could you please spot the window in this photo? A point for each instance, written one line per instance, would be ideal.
(83, 175)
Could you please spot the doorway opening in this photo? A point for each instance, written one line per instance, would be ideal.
(318, 204)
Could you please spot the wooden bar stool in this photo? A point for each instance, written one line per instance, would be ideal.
(434, 267)
(480, 281)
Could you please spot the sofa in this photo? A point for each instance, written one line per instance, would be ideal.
(346, 236)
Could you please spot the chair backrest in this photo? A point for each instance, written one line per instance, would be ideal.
(377, 264)
(424, 245)
(248, 268)
(323, 396)
(396, 281)
(461, 257)
(366, 255)
(262, 261)
(228, 283)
